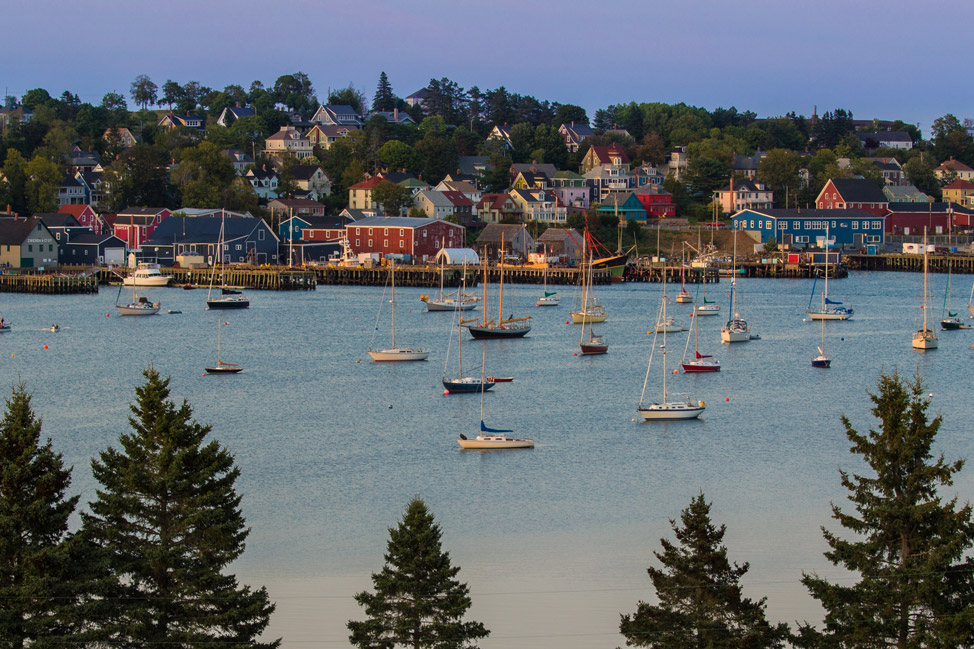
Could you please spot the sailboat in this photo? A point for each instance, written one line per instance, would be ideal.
(700, 362)
(550, 298)
(456, 301)
(464, 384)
(684, 296)
(227, 298)
(221, 367)
(925, 338)
(831, 309)
(666, 410)
(491, 438)
(510, 327)
(138, 306)
(949, 320)
(395, 353)
(592, 344)
(822, 360)
(591, 311)
(736, 330)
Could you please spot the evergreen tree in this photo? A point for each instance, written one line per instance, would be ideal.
(384, 99)
(417, 601)
(914, 587)
(168, 515)
(701, 605)
(40, 562)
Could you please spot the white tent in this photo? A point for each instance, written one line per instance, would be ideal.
(457, 256)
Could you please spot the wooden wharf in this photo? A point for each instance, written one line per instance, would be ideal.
(912, 263)
(51, 284)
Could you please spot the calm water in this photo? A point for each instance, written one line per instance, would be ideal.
(554, 542)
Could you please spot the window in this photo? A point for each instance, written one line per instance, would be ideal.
(359, 243)
(385, 244)
(260, 235)
(370, 242)
(402, 243)
(833, 224)
(855, 225)
(873, 238)
(238, 247)
(877, 225)
(807, 225)
(402, 232)
(30, 247)
(50, 246)
(782, 224)
(385, 232)
(370, 232)
(801, 239)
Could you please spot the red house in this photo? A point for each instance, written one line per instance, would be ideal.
(937, 218)
(84, 215)
(852, 194)
(419, 238)
(657, 202)
(134, 225)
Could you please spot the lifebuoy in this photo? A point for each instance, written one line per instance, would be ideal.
(343, 274)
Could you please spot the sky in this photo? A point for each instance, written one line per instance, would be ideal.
(884, 60)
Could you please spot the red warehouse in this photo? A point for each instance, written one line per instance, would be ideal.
(402, 235)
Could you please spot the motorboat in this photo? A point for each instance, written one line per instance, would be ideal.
(146, 274)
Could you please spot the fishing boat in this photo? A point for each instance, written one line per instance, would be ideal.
(925, 338)
(455, 301)
(736, 329)
(666, 410)
(830, 309)
(550, 298)
(822, 360)
(139, 305)
(589, 342)
(699, 362)
(221, 367)
(591, 311)
(396, 353)
(461, 383)
(949, 320)
(491, 438)
(226, 298)
(502, 327)
(146, 274)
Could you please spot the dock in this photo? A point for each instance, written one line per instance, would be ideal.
(938, 263)
(50, 284)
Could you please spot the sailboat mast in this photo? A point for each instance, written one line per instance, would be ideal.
(664, 334)
(924, 281)
(393, 271)
(485, 286)
(500, 303)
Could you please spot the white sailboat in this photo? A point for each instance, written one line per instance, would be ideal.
(684, 296)
(591, 344)
(822, 360)
(591, 311)
(925, 338)
(700, 362)
(461, 383)
(395, 353)
(227, 298)
(666, 410)
(138, 306)
(491, 438)
(831, 309)
(455, 301)
(736, 329)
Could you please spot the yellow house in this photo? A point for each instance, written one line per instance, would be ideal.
(958, 191)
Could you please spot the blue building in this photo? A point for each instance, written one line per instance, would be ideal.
(805, 228)
(245, 240)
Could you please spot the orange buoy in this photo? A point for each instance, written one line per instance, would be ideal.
(45, 346)
(726, 398)
(446, 392)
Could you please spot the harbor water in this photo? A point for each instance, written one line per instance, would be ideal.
(553, 541)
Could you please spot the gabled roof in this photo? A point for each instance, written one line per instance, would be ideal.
(928, 208)
(885, 136)
(471, 164)
(69, 181)
(369, 183)
(493, 201)
(297, 202)
(546, 168)
(655, 190)
(534, 178)
(533, 195)
(457, 198)
(261, 174)
(745, 186)
(561, 234)
(858, 190)
(240, 111)
(422, 93)
(459, 186)
(960, 184)
(398, 176)
(304, 172)
(14, 231)
(74, 210)
(604, 154)
(493, 232)
(324, 222)
(332, 130)
(141, 211)
(89, 238)
(435, 197)
(58, 220)
(953, 165)
(899, 193)
(578, 131)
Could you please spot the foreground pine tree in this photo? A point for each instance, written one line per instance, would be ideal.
(417, 601)
(701, 605)
(169, 517)
(41, 564)
(913, 585)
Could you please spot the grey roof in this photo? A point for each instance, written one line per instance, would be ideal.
(544, 167)
(341, 109)
(203, 229)
(91, 238)
(304, 172)
(58, 220)
(744, 186)
(859, 190)
(933, 208)
(397, 176)
(324, 222)
(139, 211)
(468, 164)
(560, 234)
(493, 231)
(397, 222)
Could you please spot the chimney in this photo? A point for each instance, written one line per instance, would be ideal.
(395, 114)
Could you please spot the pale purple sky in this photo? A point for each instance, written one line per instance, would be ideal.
(888, 60)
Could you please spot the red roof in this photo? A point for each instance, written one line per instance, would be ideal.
(954, 165)
(367, 184)
(960, 184)
(603, 153)
(492, 201)
(73, 210)
(458, 199)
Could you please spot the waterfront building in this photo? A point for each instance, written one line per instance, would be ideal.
(86, 216)
(27, 243)
(804, 228)
(313, 228)
(133, 225)
(417, 240)
(936, 218)
(625, 204)
(246, 240)
(513, 236)
(657, 202)
(90, 248)
(852, 194)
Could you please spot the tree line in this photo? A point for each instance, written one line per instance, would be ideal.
(451, 122)
(146, 566)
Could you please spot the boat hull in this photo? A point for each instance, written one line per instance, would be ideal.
(821, 361)
(138, 309)
(672, 411)
(684, 298)
(467, 385)
(701, 366)
(593, 348)
(830, 315)
(450, 305)
(494, 442)
(398, 354)
(243, 303)
(616, 266)
(709, 309)
(925, 340)
(588, 318)
(224, 368)
(498, 332)
(547, 301)
(950, 324)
